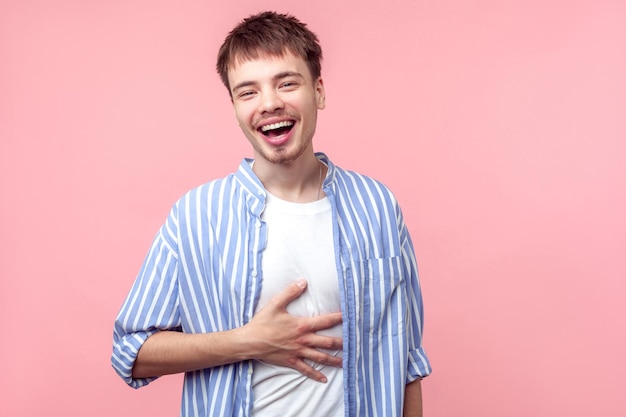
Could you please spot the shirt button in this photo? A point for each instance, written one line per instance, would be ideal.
(253, 273)
(250, 370)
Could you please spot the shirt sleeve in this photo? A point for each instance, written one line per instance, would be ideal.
(418, 364)
(151, 306)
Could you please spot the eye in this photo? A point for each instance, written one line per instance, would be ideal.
(245, 94)
(288, 85)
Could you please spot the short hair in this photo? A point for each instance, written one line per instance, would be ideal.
(269, 34)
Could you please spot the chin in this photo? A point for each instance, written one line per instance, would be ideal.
(283, 156)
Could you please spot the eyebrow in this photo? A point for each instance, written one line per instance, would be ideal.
(277, 77)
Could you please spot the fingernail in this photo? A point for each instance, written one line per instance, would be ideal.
(301, 283)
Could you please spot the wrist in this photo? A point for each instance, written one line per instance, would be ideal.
(243, 341)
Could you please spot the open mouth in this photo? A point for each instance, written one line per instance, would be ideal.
(277, 129)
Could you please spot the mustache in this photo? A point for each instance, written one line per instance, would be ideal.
(281, 115)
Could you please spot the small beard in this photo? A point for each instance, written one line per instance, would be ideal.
(283, 155)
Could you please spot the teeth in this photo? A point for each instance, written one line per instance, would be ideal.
(278, 125)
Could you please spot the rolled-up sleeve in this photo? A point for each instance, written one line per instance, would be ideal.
(418, 365)
(125, 350)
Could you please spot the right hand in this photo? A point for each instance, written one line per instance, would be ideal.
(280, 338)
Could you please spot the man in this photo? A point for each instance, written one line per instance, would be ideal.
(288, 288)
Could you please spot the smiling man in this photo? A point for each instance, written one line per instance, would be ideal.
(290, 287)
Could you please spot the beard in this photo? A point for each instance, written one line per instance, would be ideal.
(282, 155)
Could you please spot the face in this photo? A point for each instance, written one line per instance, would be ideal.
(276, 102)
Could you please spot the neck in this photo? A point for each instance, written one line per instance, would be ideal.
(298, 183)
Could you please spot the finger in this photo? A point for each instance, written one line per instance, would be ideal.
(325, 321)
(322, 358)
(323, 342)
(293, 291)
(308, 371)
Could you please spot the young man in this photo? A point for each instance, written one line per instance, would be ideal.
(288, 288)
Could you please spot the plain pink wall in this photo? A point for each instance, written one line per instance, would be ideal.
(500, 125)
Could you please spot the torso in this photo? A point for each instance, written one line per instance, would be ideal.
(300, 245)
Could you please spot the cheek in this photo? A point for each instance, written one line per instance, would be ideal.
(242, 114)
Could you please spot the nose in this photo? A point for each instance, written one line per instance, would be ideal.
(270, 101)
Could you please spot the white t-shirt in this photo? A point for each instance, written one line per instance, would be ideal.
(299, 245)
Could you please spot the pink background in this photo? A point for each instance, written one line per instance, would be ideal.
(499, 125)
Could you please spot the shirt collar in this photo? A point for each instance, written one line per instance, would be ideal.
(254, 186)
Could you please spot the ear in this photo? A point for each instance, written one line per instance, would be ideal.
(320, 94)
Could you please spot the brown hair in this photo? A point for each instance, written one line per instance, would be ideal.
(269, 34)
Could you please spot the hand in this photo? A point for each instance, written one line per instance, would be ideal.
(282, 339)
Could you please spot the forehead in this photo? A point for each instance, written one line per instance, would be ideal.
(262, 66)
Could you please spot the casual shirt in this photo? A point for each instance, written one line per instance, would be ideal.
(203, 274)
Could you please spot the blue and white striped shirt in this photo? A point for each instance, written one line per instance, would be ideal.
(203, 274)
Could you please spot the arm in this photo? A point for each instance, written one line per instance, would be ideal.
(273, 336)
(419, 365)
(413, 399)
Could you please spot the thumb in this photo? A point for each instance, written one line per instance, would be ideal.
(290, 293)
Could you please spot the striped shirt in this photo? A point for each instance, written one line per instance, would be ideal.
(203, 274)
